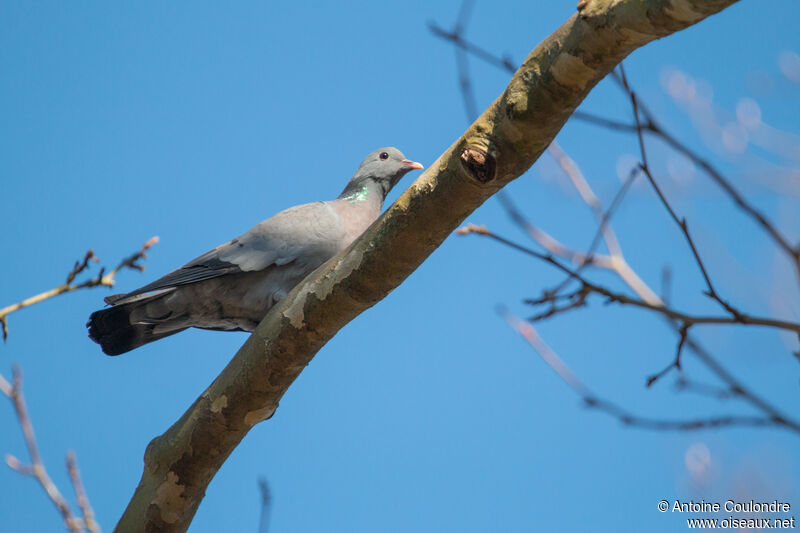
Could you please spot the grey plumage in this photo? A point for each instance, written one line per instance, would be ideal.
(231, 287)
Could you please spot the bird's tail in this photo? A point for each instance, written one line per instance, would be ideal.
(111, 328)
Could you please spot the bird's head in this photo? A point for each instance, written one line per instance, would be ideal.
(385, 167)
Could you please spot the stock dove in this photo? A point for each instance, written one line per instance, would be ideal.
(232, 287)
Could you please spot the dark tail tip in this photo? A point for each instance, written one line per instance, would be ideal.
(111, 329)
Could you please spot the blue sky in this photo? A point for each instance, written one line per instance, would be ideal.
(427, 413)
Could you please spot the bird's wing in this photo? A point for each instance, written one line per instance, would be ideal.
(299, 234)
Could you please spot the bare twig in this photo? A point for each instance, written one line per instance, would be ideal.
(462, 61)
(586, 193)
(704, 389)
(101, 279)
(36, 469)
(680, 320)
(681, 222)
(80, 494)
(666, 283)
(737, 388)
(266, 505)
(614, 262)
(456, 36)
(676, 363)
(652, 126)
(623, 299)
(529, 333)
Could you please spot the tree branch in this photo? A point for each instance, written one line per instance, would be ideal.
(612, 296)
(529, 333)
(558, 301)
(266, 505)
(37, 469)
(650, 126)
(502, 144)
(679, 320)
(106, 280)
(80, 493)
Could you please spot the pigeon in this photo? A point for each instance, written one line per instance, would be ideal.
(232, 287)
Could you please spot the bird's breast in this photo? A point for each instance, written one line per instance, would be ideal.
(355, 217)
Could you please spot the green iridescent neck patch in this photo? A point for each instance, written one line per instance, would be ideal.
(358, 196)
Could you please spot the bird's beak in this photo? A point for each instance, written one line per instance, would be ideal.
(412, 164)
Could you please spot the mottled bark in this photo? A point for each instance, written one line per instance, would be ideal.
(501, 145)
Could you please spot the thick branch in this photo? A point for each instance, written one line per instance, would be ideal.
(501, 145)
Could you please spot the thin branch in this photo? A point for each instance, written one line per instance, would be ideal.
(621, 298)
(529, 333)
(552, 299)
(666, 283)
(681, 222)
(80, 494)
(586, 193)
(685, 384)
(673, 316)
(101, 279)
(737, 388)
(462, 61)
(605, 122)
(266, 505)
(465, 83)
(604, 222)
(36, 469)
(457, 38)
(650, 125)
(614, 262)
(132, 262)
(676, 363)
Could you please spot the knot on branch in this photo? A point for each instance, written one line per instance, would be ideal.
(589, 8)
(479, 163)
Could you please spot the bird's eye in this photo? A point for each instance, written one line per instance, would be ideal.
(384, 156)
